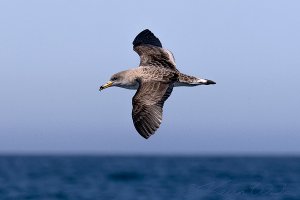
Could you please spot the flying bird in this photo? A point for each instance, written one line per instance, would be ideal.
(154, 80)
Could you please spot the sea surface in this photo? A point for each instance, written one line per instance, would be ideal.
(149, 177)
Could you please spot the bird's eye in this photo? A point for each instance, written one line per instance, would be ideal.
(113, 78)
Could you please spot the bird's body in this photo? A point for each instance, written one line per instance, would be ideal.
(148, 73)
(154, 80)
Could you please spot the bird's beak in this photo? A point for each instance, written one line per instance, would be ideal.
(106, 85)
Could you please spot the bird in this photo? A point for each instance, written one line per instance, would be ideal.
(154, 80)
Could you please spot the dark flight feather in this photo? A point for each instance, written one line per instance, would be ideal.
(146, 37)
(151, 52)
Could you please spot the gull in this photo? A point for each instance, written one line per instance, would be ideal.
(154, 80)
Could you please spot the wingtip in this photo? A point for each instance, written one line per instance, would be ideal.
(146, 137)
(146, 30)
(146, 37)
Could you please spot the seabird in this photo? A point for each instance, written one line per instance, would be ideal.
(154, 80)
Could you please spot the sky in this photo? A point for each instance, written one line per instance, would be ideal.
(54, 55)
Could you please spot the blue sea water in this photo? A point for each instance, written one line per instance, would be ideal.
(149, 177)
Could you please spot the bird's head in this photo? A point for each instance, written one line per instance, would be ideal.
(119, 79)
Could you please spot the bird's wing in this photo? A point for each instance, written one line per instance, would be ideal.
(148, 104)
(151, 52)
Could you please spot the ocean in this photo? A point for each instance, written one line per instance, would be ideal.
(149, 178)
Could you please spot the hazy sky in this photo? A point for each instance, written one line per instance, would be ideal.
(54, 55)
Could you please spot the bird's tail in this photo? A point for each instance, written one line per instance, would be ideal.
(202, 81)
(186, 80)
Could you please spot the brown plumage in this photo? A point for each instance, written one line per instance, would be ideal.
(154, 80)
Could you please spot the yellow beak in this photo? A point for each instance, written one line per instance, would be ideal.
(106, 85)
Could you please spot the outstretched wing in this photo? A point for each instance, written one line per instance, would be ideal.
(148, 104)
(151, 53)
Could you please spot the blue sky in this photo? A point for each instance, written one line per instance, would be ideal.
(54, 55)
